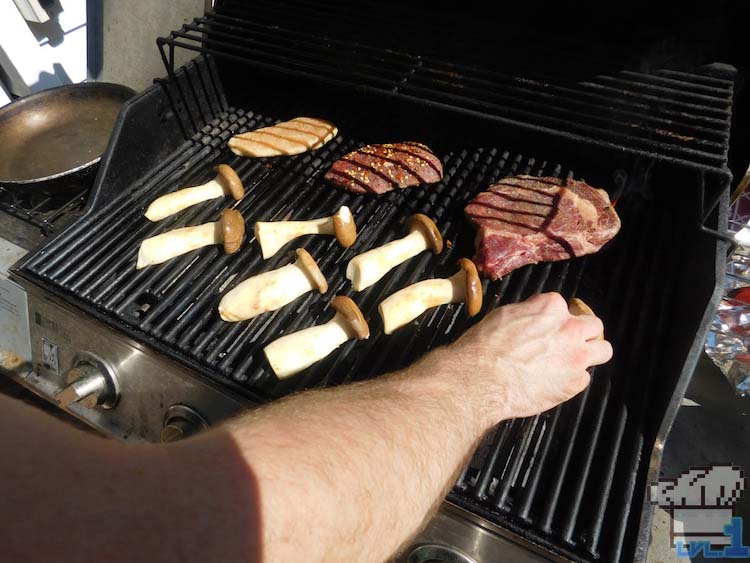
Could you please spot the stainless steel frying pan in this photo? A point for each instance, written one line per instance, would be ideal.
(52, 141)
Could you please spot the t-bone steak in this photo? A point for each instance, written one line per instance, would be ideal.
(524, 220)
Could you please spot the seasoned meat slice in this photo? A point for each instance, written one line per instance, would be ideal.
(378, 169)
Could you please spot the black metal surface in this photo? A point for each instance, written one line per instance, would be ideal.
(47, 213)
(665, 114)
(570, 480)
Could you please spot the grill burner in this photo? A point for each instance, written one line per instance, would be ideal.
(571, 480)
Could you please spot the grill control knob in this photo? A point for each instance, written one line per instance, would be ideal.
(180, 422)
(90, 384)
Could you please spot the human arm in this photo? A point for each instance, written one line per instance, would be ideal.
(344, 474)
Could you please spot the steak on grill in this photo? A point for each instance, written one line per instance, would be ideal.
(377, 169)
(524, 220)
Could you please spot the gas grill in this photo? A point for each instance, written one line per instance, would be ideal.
(568, 484)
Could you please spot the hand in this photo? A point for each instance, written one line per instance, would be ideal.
(526, 358)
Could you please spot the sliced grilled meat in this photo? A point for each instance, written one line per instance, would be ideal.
(377, 169)
(524, 220)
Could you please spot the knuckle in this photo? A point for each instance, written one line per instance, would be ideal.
(573, 327)
(555, 302)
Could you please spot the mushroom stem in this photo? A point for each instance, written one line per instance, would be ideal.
(161, 248)
(294, 352)
(226, 182)
(174, 202)
(229, 231)
(272, 235)
(270, 290)
(407, 304)
(369, 267)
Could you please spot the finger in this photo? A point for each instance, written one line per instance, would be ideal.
(600, 352)
(578, 308)
(592, 328)
(579, 383)
(549, 302)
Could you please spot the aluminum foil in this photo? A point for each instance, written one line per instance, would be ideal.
(728, 341)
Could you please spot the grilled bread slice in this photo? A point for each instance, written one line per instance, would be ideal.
(296, 136)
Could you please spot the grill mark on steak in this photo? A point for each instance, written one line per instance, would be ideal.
(374, 171)
(545, 226)
(541, 229)
(401, 165)
(511, 199)
(518, 199)
(356, 185)
(541, 192)
(382, 168)
(524, 220)
(511, 211)
(513, 223)
(424, 159)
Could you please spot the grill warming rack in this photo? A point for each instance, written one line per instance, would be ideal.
(677, 116)
(665, 115)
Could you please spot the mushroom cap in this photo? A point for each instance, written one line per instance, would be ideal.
(232, 230)
(314, 274)
(229, 180)
(352, 315)
(577, 307)
(429, 229)
(344, 227)
(474, 293)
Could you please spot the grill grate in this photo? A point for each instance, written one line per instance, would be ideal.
(569, 454)
(572, 471)
(667, 114)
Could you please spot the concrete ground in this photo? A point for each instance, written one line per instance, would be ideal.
(712, 426)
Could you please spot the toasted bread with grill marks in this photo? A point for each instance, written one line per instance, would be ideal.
(296, 136)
